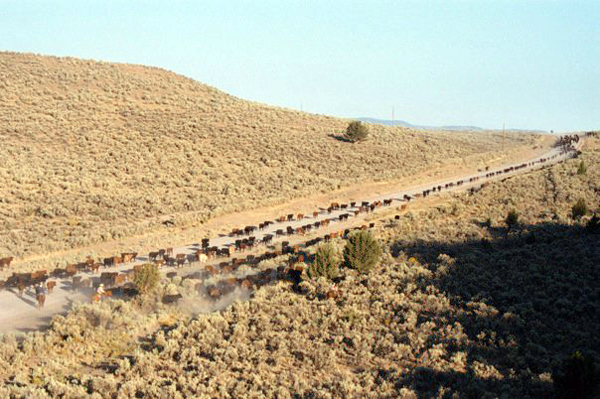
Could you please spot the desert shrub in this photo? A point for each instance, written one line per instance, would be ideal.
(512, 219)
(362, 251)
(580, 209)
(582, 169)
(593, 225)
(578, 377)
(325, 263)
(146, 278)
(356, 131)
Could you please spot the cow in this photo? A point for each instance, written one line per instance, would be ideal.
(169, 251)
(315, 215)
(95, 267)
(127, 257)
(5, 262)
(152, 256)
(71, 270)
(300, 216)
(213, 292)
(169, 299)
(246, 284)
(202, 258)
(50, 285)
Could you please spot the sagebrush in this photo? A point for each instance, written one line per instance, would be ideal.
(325, 264)
(362, 251)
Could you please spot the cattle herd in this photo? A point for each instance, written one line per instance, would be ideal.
(226, 259)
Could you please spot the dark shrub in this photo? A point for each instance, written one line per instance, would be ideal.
(578, 377)
(593, 225)
(362, 251)
(512, 219)
(580, 209)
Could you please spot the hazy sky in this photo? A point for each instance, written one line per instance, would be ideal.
(531, 64)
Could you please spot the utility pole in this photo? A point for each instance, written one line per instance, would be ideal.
(392, 116)
(503, 136)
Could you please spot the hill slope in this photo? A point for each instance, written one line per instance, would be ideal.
(97, 151)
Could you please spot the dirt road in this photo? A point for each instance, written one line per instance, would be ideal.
(18, 315)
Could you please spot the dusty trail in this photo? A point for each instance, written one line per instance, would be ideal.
(19, 315)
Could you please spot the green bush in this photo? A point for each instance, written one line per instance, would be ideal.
(582, 169)
(512, 219)
(362, 251)
(356, 131)
(580, 209)
(578, 377)
(146, 278)
(325, 264)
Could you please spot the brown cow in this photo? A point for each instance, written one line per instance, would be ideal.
(169, 251)
(71, 270)
(5, 262)
(50, 285)
(246, 284)
(128, 257)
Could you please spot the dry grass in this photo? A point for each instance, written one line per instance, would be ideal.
(94, 152)
(455, 308)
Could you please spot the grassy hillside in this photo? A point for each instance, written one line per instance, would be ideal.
(96, 151)
(457, 306)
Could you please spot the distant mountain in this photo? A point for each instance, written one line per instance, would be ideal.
(387, 122)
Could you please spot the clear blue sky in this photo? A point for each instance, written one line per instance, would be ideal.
(531, 64)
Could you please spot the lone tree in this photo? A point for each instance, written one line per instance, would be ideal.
(356, 131)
